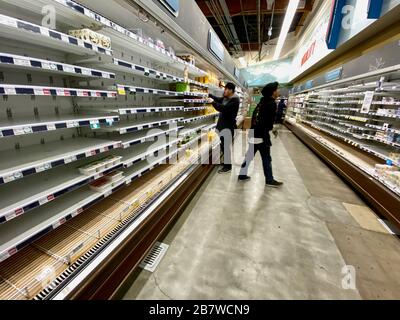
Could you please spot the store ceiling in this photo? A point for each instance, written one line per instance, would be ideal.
(242, 27)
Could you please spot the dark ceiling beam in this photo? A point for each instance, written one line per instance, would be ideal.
(250, 7)
(263, 12)
(259, 25)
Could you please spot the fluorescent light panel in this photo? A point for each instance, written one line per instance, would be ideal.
(290, 12)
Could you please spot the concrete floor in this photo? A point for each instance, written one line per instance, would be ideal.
(246, 241)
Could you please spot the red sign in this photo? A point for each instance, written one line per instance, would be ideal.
(308, 53)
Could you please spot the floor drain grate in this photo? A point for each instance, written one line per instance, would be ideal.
(154, 257)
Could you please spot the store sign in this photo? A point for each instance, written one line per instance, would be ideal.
(334, 75)
(312, 46)
(375, 9)
(172, 6)
(308, 53)
(335, 23)
(215, 45)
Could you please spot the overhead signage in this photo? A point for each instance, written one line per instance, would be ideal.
(333, 75)
(171, 5)
(309, 53)
(375, 9)
(215, 45)
(335, 24)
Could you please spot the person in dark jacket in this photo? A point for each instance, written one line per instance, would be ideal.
(281, 111)
(263, 121)
(228, 106)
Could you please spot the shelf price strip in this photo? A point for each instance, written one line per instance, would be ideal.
(153, 152)
(14, 90)
(133, 142)
(147, 72)
(199, 118)
(55, 35)
(50, 197)
(150, 109)
(147, 126)
(19, 174)
(123, 31)
(51, 126)
(21, 61)
(46, 229)
(122, 90)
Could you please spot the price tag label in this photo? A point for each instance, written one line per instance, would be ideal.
(70, 159)
(122, 131)
(22, 62)
(59, 223)
(140, 39)
(47, 273)
(86, 72)
(51, 127)
(22, 130)
(68, 68)
(77, 212)
(107, 193)
(14, 214)
(90, 153)
(64, 37)
(12, 177)
(122, 111)
(73, 124)
(10, 91)
(40, 92)
(110, 122)
(94, 124)
(43, 167)
(8, 21)
(81, 43)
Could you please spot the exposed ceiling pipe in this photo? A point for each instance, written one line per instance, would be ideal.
(214, 10)
(245, 25)
(231, 27)
(219, 12)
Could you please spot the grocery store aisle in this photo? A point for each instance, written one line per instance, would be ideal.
(245, 241)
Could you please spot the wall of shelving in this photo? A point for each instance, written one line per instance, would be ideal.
(77, 123)
(358, 119)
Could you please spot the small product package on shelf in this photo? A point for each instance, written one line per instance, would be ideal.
(92, 37)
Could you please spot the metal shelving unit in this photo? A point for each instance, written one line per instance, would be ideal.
(65, 109)
(362, 114)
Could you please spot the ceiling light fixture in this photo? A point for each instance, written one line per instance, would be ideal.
(287, 22)
(242, 61)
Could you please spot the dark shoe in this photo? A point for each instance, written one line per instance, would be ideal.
(224, 170)
(274, 184)
(244, 178)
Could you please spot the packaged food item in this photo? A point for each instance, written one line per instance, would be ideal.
(188, 58)
(99, 165)
(92, 37)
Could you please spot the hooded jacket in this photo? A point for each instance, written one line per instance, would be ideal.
(264, 117)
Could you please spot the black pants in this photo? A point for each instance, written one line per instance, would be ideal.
(226, 147)
(265, 152)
